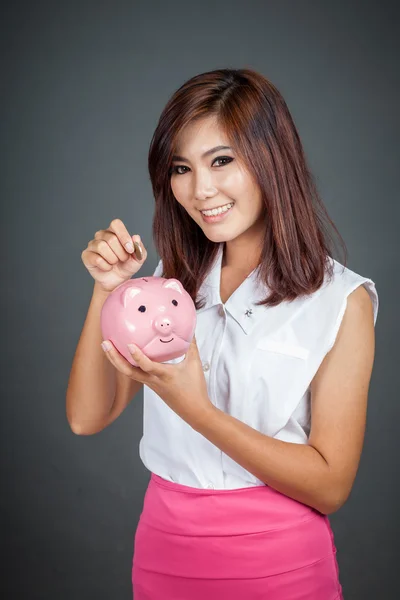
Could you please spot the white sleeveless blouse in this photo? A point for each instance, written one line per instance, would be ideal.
(258, 363)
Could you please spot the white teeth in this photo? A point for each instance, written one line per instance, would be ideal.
(217, 211)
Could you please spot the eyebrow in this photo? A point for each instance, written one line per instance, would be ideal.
(207, 153)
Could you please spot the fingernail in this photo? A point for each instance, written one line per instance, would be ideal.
(106, 345)
(132, 348)
(129, 247)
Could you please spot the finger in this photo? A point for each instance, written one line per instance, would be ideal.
(107, 243)
(193, 349)
(122, 364)
(116, 358)
(123, 235)
(192, 353)
(103, 248)
(133, 245)
(136, 253)
(92, 260)
(144, 362)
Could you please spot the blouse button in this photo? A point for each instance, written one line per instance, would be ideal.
(210, 486)
(221, 311)
(206, 366)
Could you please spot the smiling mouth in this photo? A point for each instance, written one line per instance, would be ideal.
(166, 342)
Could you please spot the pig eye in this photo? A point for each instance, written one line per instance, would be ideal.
(174, 302)
(142, 308)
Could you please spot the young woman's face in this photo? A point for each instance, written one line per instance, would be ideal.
(204, 182)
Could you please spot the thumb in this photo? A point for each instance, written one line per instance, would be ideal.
(193, 349)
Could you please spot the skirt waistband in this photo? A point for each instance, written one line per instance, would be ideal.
(182, 509)
(246, 533)
(180, 487)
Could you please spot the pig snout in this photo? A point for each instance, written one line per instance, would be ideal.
(163, 325)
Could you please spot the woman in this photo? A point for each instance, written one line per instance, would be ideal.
(242, 478)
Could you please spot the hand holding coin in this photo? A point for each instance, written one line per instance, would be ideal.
(114, 256)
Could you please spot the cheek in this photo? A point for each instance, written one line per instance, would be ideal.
(237, 184)
(180, 190)
(241, 188)
(174, 187)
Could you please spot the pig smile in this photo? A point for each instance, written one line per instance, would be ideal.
(166, 341)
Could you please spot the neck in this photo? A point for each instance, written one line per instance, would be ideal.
(240, 256)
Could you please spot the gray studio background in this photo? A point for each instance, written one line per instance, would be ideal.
(83, 84)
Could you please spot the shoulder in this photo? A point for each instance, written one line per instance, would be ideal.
(346, 301)
(356, 332)
(351, 291)
(359, 304)
(353, 345)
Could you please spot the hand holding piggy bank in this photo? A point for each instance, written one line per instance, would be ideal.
(155, 313)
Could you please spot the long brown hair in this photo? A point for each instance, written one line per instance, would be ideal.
(256, 120)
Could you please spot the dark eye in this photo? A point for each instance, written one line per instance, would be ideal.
(174, 302)
(174, 169)
(142, 308)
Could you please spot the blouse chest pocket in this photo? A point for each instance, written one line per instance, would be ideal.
(284, 348)
(278, 370)
(277, 367)
(277, 377)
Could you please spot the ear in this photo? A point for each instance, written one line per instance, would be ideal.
(174, 284)
(129, 294)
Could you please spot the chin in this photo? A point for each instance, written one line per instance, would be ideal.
(221, 236)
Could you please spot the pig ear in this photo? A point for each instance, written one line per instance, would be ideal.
(174, 284)
(129, 294)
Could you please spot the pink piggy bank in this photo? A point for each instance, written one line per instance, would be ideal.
(155, 313)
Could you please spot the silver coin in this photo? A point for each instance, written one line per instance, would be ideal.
(138, 250)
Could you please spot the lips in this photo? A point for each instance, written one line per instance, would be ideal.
(214, 207)
(218, 218)
(166, 341)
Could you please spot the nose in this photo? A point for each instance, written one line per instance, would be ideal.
(163, 325)
(203, 187)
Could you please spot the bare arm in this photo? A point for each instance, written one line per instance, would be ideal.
(97, 393)
(320, 473)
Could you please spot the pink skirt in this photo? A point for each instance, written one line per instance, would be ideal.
(253, 542)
